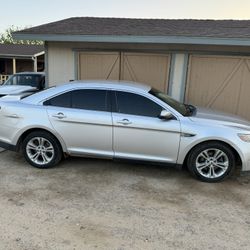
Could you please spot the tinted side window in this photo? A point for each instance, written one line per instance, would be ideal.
(63, 100)
(128, 103)
(90, 99)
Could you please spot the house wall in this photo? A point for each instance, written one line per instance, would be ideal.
(63, 59)
(183, 78)
(178, 75)
(60, 61)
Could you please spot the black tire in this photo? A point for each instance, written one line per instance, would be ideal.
(44, 148)
(211, 161)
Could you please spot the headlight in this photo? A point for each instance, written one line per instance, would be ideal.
(244, 137)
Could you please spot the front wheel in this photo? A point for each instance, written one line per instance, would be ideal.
(41, 149)
(211, 161)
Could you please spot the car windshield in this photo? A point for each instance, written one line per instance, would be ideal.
(26, 80)
(184, 109)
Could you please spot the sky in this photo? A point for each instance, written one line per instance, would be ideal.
(23, 13)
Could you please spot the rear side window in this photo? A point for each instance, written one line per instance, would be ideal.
(63, 100)
(88, 99)
(133, 104)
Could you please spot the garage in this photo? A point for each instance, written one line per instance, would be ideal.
(149, 68)
(203, 62)
(220, 82)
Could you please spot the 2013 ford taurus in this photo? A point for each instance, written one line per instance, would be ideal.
(124, 121)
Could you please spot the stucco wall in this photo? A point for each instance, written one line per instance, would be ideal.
(60, 63)
(61, 55)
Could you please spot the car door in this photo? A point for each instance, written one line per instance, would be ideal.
(139, 133)
(83, 119)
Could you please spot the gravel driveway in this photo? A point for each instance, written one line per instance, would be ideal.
(99, 204)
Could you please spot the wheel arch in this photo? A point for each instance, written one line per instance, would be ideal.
(30, 130)
(235, 152)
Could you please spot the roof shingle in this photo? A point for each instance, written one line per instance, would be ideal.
(20, 49)
(144, 27)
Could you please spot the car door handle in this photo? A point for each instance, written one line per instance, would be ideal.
(59, 115)
(124, 122)
(12, 116)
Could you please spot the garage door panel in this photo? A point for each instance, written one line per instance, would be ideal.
(99, 65)
(227, 99)
(151, 69)
(206, 76)
(219, 82)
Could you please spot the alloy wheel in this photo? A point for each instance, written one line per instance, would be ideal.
(212, 163)
(40, 150)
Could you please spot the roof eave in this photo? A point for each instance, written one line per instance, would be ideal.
(22, 56)
(15, 56)
(39, 54)
(135, 39)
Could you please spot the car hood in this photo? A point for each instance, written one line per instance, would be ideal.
(13, 90)
(220, 118)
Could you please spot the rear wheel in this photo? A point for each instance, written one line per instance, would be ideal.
(211, 161)
(41, 149)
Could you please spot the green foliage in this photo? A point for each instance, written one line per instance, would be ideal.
(7, 38)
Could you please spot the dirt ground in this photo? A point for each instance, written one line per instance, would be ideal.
(100, 204)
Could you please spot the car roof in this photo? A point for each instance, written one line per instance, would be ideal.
(109, 84)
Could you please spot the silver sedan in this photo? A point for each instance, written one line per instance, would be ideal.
(125, 121)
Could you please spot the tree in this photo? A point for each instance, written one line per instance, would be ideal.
(7, 38)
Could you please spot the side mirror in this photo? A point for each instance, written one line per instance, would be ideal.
(165, 115)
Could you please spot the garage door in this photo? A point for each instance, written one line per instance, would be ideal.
(99, 65)
(151, 69)
(220, 82)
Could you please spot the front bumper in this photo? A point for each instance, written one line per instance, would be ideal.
(244, 153)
